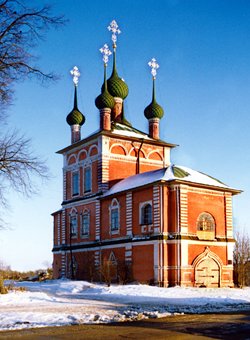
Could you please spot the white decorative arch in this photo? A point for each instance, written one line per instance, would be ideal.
(82, 152)
(73, 211)
(121, 146)
(137, 148)
(71, 157)
(207, 253)
(156, 152)
(92, 148)
(207, 269)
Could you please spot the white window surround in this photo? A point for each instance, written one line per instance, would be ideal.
(114, 216)
(85, 224)
(73, 224)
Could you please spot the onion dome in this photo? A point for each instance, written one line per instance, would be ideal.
(104, 100)
(75, 117)
(116, 85)
(153, 110)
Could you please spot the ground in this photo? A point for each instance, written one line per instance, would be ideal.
(188, 327)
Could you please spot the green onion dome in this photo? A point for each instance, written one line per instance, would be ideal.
(153, 110)
(117, 86)
(75, 117)
(104, 100)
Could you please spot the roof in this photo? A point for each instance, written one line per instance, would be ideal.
(128, 131)
(168, 174)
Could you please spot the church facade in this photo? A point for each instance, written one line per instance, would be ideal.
(128, 214)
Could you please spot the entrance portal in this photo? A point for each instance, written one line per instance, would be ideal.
(207, 273)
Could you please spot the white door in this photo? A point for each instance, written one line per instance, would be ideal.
(207, 273)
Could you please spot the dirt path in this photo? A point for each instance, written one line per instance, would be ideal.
(206, 326)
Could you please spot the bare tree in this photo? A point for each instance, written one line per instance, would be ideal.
(18, 165)
(242, 259)
(21, 28)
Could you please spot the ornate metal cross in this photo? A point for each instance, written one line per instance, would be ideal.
(113, 27)
(76, 74)
(154, 66)
(105, 51)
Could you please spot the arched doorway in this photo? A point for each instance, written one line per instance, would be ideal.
(207, 273)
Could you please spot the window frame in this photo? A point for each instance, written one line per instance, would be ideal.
(73, 217)
(114, 208)
(74, 183)
(85, 213)
(210, 228)
(87, 181)
(142, 211)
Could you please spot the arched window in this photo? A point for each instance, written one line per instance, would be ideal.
(85, 223)
(205, 222)
(114, 211)
(73, 224)
(146, 213)
(112, 258)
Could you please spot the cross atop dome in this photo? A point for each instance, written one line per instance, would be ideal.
(154, 66)
(76, 74)
(113, 27)
(105, 51)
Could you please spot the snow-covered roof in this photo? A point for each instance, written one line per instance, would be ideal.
(128, 131)
(170, 173)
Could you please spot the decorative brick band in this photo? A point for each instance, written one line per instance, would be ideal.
(63, 227)
(59, 229)
(97, 214)
(129, 212)
(183, 208)
(64, 185)
(103, 173)
(63, 266)
(156, 206)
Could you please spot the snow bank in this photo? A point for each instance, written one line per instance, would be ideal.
(65, 302)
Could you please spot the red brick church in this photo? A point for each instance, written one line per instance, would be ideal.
(128, 214)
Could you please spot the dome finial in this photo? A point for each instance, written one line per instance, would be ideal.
(75, 118)
(153, 112)
(154, 66)
(76, 74)
(116, 85)
(113, 27)
(105, 100)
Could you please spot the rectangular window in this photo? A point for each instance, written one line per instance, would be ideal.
(114, 219)
(87, 179)
(73, 226)
(75, 183)
(85, 224)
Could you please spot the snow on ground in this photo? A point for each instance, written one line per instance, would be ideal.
(65, 302)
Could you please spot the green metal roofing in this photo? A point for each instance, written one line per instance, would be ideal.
(117, 86)
(105, 100)
(75, 117)
(153, 110)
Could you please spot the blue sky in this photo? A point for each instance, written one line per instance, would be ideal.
(203, 84)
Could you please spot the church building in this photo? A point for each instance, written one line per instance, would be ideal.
(128, 214)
